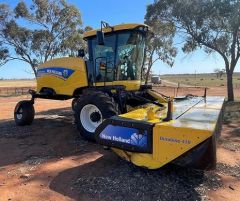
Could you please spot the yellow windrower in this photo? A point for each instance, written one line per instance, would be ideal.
(112, 105)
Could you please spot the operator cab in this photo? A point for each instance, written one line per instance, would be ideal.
(116, 53)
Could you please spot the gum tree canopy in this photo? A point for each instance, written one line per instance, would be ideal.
(159, 45)
(213, 25)
(38, 32)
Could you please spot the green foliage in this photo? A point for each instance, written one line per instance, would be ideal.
(210, 24)
(44, 30)
(159, 45)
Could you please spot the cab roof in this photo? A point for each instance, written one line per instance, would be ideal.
(115, 28)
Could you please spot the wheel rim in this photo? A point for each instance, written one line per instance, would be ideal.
(90, 117)
(19, 114)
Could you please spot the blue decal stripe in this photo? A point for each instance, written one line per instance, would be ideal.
(63, 73)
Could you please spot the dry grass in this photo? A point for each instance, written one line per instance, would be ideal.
(17, 83)
(208, 80)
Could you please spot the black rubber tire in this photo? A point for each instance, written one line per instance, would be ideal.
(102, 101)
(27, 110)
(74, 103)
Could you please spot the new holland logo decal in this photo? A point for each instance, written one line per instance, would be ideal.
(125, 135)
(60, 72)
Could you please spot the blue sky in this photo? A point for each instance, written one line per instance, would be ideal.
(116, 12)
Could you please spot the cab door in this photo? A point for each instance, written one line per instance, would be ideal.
(104, 59)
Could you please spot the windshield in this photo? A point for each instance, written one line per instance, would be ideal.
(130, 56)
(122, 55)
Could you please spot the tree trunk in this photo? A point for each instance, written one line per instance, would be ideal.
(230, 86)
(34, 70)
(148, 72)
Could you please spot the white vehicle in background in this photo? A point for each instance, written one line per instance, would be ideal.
(156, 79)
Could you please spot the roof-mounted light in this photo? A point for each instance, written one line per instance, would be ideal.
(143, 28)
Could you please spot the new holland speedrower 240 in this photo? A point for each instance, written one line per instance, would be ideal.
(112, 107)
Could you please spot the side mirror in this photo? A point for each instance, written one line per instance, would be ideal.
(100, 37)
(81, 53)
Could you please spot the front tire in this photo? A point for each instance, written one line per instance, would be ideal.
(74, 103)
(91, 110)
(24, 113)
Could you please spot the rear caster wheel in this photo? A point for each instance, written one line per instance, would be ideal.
(24, 113)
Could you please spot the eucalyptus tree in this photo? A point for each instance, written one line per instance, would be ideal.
(159, 45)
(213, 25)
(39, 31)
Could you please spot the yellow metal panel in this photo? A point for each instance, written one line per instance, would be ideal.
(174, 141)
(64, 87)
(139, 159)
(145, 160)
(168, 144)
(156, 95)
(204, 115)
(198, 119)
(115, 28)
(122, 154)
(141, 113)
(131, 85)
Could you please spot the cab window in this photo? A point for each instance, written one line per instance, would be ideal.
(103, 57)
(130, 56)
